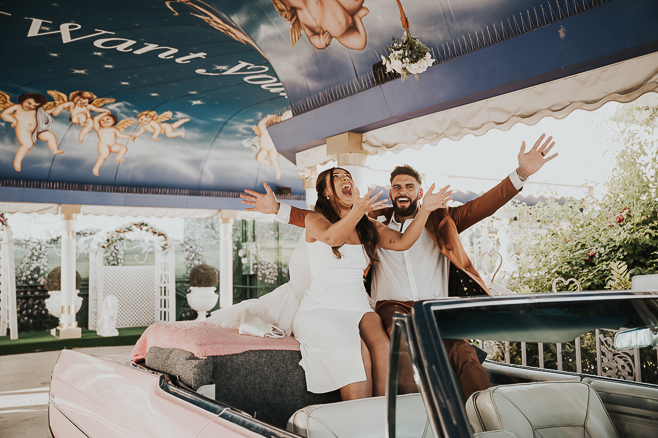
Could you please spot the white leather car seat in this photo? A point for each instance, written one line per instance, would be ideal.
(541, 410)
(363, 418)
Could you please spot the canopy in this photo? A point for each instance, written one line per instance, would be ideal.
(183, 104)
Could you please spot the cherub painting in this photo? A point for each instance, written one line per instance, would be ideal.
(79, 106)
(268, 155)
(108, 133)
(151, 122)
(30, 121)
(323, 20)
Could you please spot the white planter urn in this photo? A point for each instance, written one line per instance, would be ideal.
(202, 299)
(54, 303)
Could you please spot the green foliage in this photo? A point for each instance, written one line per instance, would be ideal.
(619, 277)
(203, 276)
(31, 310)
(54, 279)
(594, 240)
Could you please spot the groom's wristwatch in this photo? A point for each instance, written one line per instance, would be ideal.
(521, 174)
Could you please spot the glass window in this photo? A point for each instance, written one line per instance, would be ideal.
(574, 336)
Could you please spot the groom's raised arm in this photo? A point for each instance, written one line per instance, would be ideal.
(268, 204)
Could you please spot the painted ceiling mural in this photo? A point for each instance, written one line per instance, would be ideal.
(179, 95)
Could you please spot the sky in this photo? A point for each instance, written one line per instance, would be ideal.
(583, 140)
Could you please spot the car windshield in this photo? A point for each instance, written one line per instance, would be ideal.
(534, 320)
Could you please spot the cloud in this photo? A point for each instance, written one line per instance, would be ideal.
(123, 110)
(180, 115)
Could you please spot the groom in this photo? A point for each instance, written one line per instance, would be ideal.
(437, 265)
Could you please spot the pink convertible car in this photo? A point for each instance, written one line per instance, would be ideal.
(259, 390)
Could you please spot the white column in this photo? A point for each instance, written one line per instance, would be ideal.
(351, 156)
(226, 259)
(68, 327)
(309, 187)
(8, 312)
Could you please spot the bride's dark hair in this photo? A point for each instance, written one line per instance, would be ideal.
(366, 230)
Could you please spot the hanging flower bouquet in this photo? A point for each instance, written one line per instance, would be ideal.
(407, 55)
(3, 220)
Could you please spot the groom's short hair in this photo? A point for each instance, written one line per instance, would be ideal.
(406, 170)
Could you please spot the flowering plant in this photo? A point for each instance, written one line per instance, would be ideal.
(407, 55)
(3, 219)
(34, 267)
(119, 233)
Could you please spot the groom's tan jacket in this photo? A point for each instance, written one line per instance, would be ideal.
(445, 224)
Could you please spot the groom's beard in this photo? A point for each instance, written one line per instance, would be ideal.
(409, 210)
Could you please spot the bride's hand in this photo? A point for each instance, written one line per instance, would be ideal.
(433, 201)
(367, 204)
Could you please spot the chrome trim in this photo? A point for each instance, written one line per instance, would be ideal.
(452, 303)
(141, 367)
(402, 333)
(222, 411)
(51, 402)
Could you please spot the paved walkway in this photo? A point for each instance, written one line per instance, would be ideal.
(24, 386)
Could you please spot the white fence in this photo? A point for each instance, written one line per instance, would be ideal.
(609, 362)
(147, 294)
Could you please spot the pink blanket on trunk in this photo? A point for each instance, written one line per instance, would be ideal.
(204, 340)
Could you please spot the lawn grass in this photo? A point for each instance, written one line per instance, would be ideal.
(44, 341)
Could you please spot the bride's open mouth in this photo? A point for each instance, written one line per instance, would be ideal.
(346, 189)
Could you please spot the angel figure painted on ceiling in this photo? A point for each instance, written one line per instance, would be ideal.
(31, 122)
(109, 129)
(79, 107)
(151, 122)
(268, 155)
(323, 20)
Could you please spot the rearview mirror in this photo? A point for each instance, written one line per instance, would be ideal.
(635, 338)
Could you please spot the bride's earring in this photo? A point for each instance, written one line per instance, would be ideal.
(327, 198)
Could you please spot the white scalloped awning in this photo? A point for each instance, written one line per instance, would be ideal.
(112, 210)
(622, 82)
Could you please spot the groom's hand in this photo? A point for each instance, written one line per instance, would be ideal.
(533, 160)
(261, 202)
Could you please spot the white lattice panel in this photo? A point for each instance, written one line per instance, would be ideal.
(134, 286)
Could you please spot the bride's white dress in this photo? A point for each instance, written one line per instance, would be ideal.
(278, 307)
(327, 322)
(333, 301)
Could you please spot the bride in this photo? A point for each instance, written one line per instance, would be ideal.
(342, 340)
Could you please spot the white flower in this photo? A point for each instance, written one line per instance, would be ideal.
(397, 65)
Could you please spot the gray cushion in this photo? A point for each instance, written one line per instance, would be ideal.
(267, 384)
(190, 370)
(546, 410)
(270, 385)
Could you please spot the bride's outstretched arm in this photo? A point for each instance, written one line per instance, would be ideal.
(391, 239)
(319, 228)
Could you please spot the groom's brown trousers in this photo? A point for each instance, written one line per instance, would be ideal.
(463, 358)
